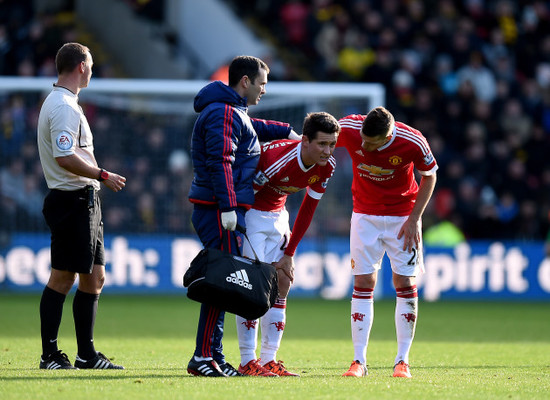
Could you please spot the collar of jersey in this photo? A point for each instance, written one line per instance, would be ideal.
(390, 142)
(299, 157)
(64, 89)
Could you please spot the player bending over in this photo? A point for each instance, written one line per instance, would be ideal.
(285, 167)
(387, 210)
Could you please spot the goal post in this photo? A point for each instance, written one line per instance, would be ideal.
(375, 92)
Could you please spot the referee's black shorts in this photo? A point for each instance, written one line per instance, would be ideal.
(77, 230)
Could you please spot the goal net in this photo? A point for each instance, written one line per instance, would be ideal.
(142, 130)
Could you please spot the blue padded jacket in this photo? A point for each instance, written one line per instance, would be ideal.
(225, 148)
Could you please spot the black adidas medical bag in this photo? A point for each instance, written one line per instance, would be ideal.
(240, 285)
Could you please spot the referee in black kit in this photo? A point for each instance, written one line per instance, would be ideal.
(73, 212)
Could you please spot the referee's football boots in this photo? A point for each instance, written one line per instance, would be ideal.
(57, 360)
(98, 362)
(208, 368)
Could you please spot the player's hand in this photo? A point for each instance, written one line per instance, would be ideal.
(285, 273)
(115, 182)
(294, 136)
(286, 264)
(410, 234)
(229, 220)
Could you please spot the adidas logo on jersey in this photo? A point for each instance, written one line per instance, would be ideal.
(360, 153)
(239, 278)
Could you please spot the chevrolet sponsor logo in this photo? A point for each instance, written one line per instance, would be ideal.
(374, 170)
(288, 189)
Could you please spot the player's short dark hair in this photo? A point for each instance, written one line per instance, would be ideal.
(69, 56)
(319, 121)
(378, 122)
(245, 65)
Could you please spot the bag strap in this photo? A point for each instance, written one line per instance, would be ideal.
(242, 230)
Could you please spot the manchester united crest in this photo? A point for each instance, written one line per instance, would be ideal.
(395, 160)
(313, 179)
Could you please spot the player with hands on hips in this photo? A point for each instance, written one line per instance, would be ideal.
(225, 149)
(285, 167)
(388, 204)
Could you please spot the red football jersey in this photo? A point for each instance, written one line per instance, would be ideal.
(281, 172)
(383, 180)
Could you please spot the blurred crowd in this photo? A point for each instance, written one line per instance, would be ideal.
(472, 75)
(150, 149)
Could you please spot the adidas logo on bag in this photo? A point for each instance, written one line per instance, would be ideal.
(239, 278)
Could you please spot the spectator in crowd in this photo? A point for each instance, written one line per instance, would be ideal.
(480, 77)
(11, 192)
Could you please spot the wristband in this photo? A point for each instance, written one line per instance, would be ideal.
(103, 175)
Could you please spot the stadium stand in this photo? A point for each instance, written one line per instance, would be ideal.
(473, 76)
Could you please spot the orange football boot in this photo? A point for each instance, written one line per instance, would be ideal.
(401, 370)
(278, 368)
(356, 369)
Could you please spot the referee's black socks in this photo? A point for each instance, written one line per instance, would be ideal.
(51, 310)
(84, 312)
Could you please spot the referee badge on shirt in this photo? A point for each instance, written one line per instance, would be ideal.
(64, 141)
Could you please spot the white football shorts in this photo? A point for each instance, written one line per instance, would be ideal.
(372, 235)
(268, 232)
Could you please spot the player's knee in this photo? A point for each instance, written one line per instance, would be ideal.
(365, 281)
(100, 282)
(61, 286)
(401, 281)
(61, 281)
(92, 283)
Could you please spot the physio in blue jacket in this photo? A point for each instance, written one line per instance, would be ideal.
(225, 150)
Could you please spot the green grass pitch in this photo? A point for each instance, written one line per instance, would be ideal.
(462, 350)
